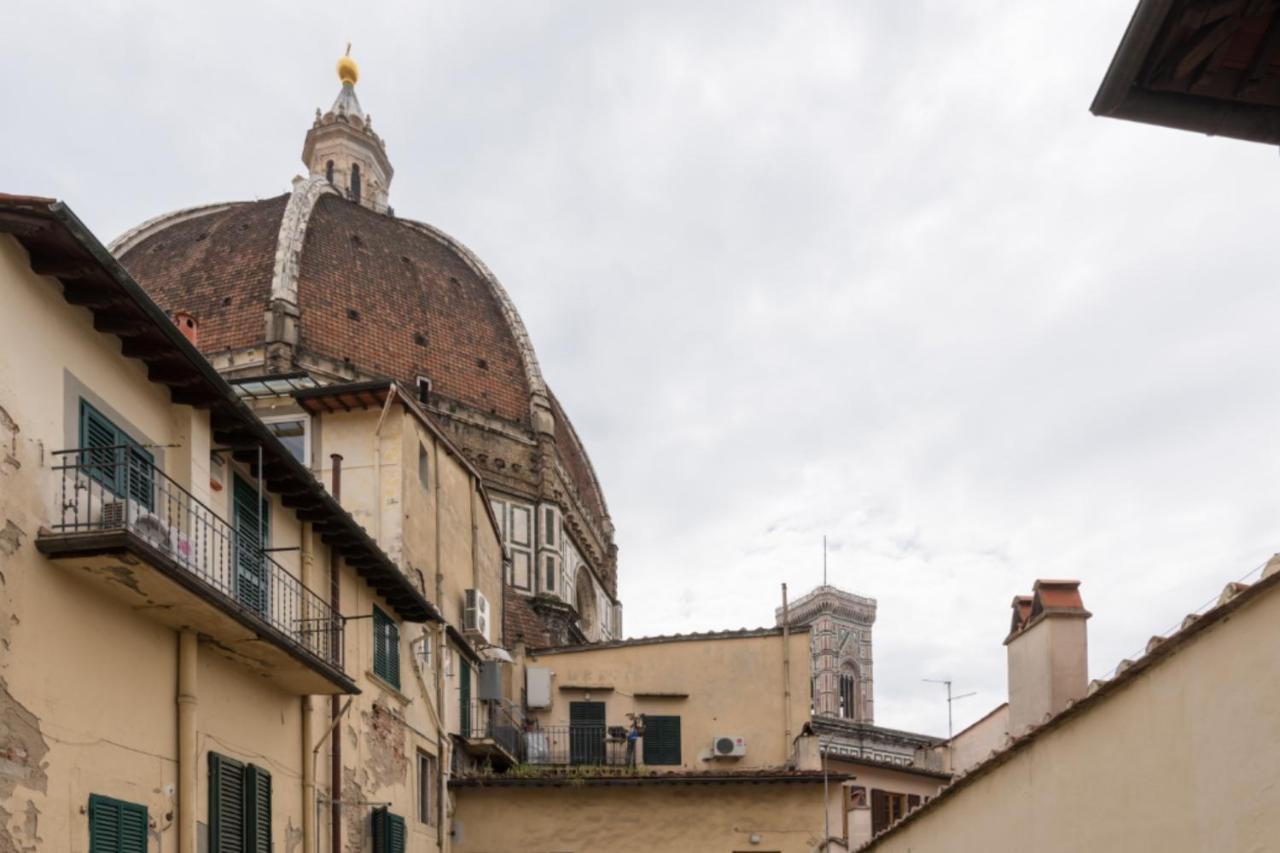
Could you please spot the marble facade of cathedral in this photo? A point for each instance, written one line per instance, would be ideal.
(328, 285)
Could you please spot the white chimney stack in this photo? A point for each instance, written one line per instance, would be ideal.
(1048, 652)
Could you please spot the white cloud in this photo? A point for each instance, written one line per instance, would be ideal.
(868, 269)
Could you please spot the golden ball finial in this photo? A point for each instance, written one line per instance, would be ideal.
(348, 71)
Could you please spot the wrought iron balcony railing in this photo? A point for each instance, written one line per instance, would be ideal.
(576, 744)
(496, 721)
(117, 489)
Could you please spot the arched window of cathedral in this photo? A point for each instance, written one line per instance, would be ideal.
(848, 691)
(355, 183)
(328, 171)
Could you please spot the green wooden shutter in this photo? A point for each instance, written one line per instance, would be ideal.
(586, 732)
(116, 826)
(393, 652)
(388, 831)
(257, 807)
(226, 805)
(661, 740)
(139, 478)
(386, 648)
(97, 434)
(253, 531)
(114, 459)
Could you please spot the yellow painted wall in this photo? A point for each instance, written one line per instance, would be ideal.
(1182, 759)
(702, 818)
(386, 727)
(731, 687)
(88, 683)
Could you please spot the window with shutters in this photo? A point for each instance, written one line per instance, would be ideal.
(114, 459)
(251, 519)
(887, 808)
(388, 831)
(661, 739)
(116, 826)
(386, 648)
(239, 806)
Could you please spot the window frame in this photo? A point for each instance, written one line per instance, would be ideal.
(659, 754)
(306, 432)
(386, 633)
(426, 788)
(253, 782)
(424, 467)
(122, 807)
(120, 483)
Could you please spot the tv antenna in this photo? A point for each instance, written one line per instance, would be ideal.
(950, 699)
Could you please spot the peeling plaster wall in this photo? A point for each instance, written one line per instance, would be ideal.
(386, 727)
(88, 682)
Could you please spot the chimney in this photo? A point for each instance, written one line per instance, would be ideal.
(1048, 653)
(187, 324)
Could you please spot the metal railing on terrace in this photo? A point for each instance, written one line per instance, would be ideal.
(117, 488)
(498, 721)
(576, 744)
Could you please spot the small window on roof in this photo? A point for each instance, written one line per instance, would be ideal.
(424, 389)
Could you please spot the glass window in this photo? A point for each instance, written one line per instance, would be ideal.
(426, 787)
(424, 467)
(292, 433)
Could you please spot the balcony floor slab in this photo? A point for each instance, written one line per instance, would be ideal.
(153, 584)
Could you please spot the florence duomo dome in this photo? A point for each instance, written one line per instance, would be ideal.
(328, 284)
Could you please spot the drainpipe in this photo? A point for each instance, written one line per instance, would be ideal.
(308, 766)
(188, 759)
(442, 760)
(335, 711)
(786, 672)
(377, 467)
(442, 639)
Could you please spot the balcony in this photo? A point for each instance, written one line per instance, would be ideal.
(493, 730)
(497, 731)
(147, 541)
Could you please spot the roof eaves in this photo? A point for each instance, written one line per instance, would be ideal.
(412, 606)
(1234, 597)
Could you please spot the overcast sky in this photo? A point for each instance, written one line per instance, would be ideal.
(868, 269)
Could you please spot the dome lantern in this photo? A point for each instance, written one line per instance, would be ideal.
(342, 148)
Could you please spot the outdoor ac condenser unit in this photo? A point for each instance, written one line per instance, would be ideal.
(728, 747)
(143, 523)
(475, 615)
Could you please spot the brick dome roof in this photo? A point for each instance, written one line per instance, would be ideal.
(389, 296)
(375, 296)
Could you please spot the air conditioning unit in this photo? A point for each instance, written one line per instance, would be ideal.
(475, 615)
(728, 747)
(143, 523)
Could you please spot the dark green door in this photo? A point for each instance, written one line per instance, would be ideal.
(253, 531)
(464, 693)
(586, 733)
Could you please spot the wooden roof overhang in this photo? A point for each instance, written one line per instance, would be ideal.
(347, 397)
(59, 245)
(1211, 66)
